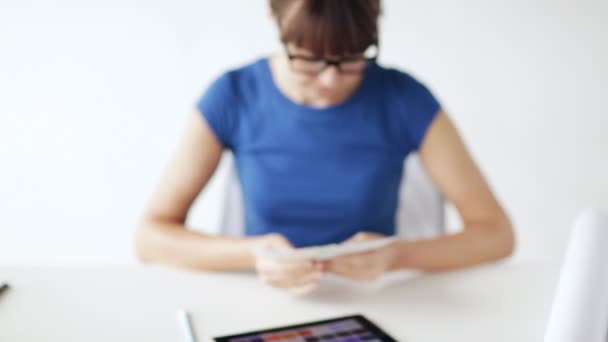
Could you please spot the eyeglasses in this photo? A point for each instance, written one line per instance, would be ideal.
(312, 65)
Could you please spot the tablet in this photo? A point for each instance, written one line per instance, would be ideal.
(354, 328)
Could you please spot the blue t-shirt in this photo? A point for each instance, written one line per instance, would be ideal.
(319, 176)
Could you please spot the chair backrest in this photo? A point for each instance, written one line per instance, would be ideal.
(420, 213)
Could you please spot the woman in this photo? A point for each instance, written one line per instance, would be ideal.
(320, 133)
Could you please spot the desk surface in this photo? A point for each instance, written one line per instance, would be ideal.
(505, 302)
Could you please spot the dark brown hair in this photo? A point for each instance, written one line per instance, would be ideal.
(328, 27)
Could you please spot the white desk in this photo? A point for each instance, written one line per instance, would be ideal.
(493, 303)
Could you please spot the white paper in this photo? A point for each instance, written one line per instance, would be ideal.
(325, 252)
(580, 307)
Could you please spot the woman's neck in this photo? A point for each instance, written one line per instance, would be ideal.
(299, 90)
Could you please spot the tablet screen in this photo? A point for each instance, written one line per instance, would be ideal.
(344, 329)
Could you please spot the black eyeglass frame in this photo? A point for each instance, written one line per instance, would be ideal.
(335, 62)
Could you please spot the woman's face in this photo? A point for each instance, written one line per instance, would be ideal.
(330, 85)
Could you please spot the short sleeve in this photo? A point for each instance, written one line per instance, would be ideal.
(218, 105)
(418, 108)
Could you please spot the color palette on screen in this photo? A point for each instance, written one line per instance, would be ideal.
(349, 330)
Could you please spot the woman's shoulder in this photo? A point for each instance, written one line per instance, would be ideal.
(393, 77)
(242, 79)
(401, 87)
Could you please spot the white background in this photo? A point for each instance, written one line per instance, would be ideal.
(94, 95)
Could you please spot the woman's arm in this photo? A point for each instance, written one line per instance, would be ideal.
(487, 234)
(162, 236)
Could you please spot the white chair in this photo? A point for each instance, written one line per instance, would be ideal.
(420, 213)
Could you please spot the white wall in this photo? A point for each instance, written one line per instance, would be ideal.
(94, 95)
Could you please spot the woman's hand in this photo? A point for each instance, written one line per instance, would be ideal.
(367, 266)
(297, 277)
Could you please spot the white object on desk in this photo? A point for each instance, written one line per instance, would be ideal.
(580, 307)
(186, 324)
(325, 252)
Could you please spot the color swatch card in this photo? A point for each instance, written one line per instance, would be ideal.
(325, 252)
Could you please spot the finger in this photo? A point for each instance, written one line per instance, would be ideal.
(304, 289)
(295, 270)
(278, 242)
(347, 269)
(287, 281)
(288, 284)
(361, 236)
(357, 268)
(323, 266)
(361, 260)
(273, 267)
(364, 236)
(362, 276)
(313, 277)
